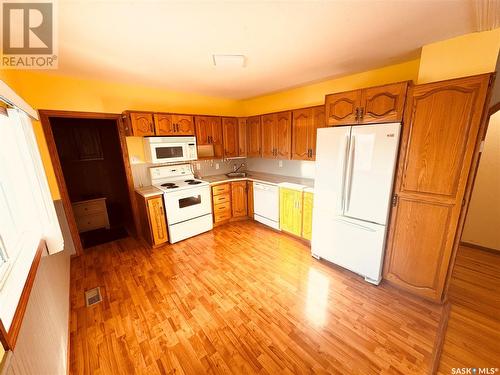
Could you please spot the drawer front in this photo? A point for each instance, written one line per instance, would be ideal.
(221, 198)
(220, 189)
(89, 208)
(222, 211)
(90, 222)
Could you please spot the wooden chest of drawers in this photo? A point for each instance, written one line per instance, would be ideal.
(91, 214)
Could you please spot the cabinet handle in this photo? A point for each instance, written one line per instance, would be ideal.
(361, 112)
(357, 114)
(176, 128)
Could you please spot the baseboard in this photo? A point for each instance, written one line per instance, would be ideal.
(479, 247)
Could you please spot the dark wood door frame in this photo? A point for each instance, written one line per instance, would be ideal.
(45, 116)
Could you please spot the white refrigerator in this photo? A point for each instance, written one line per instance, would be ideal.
(352, 193)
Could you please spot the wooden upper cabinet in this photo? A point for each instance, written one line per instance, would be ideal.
(319, 121)
(217, 138)
(239, 198)
(254, 136)
(440, 148)
(230, 136)
(283, 135)
(242, 136)
(209, 132)
(139, 124)
(163, 124)
(203, 130)
(305, 123)
(383, 103)
(342, 108)
(183, 124)
(268, 131)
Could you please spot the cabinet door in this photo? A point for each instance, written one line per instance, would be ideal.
(230, 136)
(307, 216)
(163, 124)
(254, 136)
(157, 220)
(239, 198)
(203, 130)
(283, 135)
(242, 136)
(341, 108)
(383, 103)
(319, 121)
(268, 132)
(217, 138)
(184, 124)
(439, 144)
(250, 198)
(302, 124)
(291, 211)
(142, 124)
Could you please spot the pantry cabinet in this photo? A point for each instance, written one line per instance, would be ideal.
(291, 211)
(439, 152)
(307, 210)
(277, 135)
(139, 124)
(209, 133)
(239, 198)
(367, 106)
(305, 122)
(230, 135)
(152, 219)
(254, 136)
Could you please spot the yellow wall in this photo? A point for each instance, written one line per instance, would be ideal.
(462, 56)
(481, 225)
(314, 94)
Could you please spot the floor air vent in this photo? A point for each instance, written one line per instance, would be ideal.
(93, 296)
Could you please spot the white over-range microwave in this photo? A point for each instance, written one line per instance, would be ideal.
(170, 149)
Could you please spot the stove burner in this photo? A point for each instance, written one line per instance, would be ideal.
(194, 182)
(171, 186)
(167, 184)
(188, 181)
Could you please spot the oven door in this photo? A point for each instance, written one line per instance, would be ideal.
(168, 152)
(187, 204)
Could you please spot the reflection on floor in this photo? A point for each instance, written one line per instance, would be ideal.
(102, 236)
(240, 299)
(473, 333)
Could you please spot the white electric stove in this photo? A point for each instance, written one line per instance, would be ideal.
(188, 205)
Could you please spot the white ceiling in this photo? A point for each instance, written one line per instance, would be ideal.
(170, 44)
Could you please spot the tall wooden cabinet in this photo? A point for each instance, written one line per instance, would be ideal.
(276, 135)
(305, 122)
(254, 136)
(439, 149)
(367, 106)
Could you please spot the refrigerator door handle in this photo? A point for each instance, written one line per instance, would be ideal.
(358, 225)
(344, 171)
(350, 168)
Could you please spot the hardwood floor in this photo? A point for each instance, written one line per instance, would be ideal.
(473, 334)
(240, 299)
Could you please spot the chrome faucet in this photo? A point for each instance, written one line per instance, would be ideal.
(237, 169)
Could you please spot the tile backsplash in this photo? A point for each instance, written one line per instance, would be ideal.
(292, 168)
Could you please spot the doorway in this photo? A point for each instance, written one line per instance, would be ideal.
(90, 159)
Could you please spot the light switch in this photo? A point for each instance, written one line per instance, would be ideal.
(217, 166)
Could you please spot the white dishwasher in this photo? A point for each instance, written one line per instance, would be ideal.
(266, 204)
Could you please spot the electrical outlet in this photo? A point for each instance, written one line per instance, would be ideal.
(280, 163)
(198, 166)
(217, 166)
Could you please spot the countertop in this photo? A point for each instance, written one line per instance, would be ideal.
(273, 179)
(148, 191)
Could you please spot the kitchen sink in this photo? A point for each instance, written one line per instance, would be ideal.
(236, 174)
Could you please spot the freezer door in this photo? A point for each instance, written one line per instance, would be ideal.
(332, 149)
(352, 244)
(370, 171)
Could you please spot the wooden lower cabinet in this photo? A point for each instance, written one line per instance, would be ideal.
(232, 201)
(307, 210)
(438, 158)
(152, 219)
(221, 202)
(291, 211)
(250, 198)
(239, 198)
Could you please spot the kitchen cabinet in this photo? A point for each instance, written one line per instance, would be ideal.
(291, 211)
(239, 198)
(152, 219)
(209, 133)
(250, 198)
(139, 124)
(277, 135)
(305, 122)
(221, 202)
(367, 106)
(173, 124)
(254, 136)
(307, 210)
(439, 151)
(230, 135)
(242, 136)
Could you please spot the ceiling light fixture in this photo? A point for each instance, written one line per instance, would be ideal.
(229, 61)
